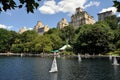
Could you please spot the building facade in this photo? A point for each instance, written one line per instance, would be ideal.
(103, 15)
(22, 30)
(81, 17)
(62, 23)
(40, 28)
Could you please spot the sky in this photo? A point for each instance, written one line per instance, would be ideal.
(50, 12)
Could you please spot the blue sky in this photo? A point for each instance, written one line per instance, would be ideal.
(50, 12)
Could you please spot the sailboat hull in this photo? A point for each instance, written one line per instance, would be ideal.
(53, 71)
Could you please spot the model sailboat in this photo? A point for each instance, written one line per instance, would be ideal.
(115, 61)
(54, 66)
(110, 57)
(79, 57)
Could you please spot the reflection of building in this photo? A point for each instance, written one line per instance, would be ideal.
(103, 15)
(62, 23)
(81, 17)
(23, 29)
(40, 28)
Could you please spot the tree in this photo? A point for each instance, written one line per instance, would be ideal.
(6, 39)
(117, 5)
(11, 4)
(28, 36)
(27, 39)
(43, 44)
(116, 40)
(67, 34)
(56, 40)
(16, 48)
(53, 31)
(25, 42)
(113, 22)
(95, 38)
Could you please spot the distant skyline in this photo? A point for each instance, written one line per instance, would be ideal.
(50, 12)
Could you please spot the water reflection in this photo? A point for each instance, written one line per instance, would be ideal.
(53, 76)
(116, 71)
(115, 68)
(36, 68)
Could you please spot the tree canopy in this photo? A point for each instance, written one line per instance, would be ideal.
(117, 5)
(30, 5)
(101, 37)
(94, 38)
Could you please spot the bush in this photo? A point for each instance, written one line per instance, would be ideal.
(115, 53)
(67, 53)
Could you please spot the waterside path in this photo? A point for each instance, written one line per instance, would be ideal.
(48, 55)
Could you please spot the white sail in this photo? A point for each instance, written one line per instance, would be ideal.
(54, 66)
(79, 57)
(110, 57)
(115, 61)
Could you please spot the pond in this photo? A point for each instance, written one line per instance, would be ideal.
(37, 68)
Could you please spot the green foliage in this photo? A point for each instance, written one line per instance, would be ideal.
(6, 39)
(69, 49)
(113, 22)
(28, 36)
(94, 39)
(114, 53)
(67, 53)
(24, 42)
(117, 5)
(12, 4)
(101, 37)
(56, 40)
(46, 44)
(53, 31)
(67, 34)
(117, 35)
(43, 44)
(17, 48)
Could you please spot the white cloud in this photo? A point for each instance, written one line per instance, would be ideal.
(91, 3)
(27, 28)
(109, 9)
(49, 7)
(68, 6)
(30, 28)
(118, 15)
(65, 6)
(5, 27)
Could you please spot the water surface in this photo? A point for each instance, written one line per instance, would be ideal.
(36, 68)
